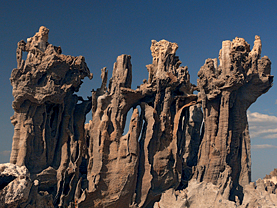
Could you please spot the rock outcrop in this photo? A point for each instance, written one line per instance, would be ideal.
(206, 194)
(227, 91)
(48, 120)
(15, 185)
(137, 167)
(173, 155)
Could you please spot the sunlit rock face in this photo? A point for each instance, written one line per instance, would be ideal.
(48, 120)
(227, 91)
(137, 167)
(179, 146)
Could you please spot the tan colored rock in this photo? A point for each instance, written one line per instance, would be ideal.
(260, 194)
(224, 57)
(40, 40)
(257, 48)
(226, 97)
(168, 157)
(17, 189)
(15, 185)
(160, 52)
(196, 195)
(154, 143)
(49, 124)
(208, 195)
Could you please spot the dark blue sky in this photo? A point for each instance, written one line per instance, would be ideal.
(102, 30)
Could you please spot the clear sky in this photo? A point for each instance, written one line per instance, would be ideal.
(102, 30)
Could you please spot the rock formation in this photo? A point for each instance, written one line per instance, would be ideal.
(48, 120)
(173, 155)
(227, 91)
(137, 167)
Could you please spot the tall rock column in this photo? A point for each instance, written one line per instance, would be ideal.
(49, 122)
(112, 156)
(226, 93)
(166, 143)
(134, 169)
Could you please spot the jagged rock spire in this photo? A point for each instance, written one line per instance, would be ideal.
(168, 156)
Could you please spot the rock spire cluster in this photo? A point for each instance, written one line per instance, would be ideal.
(182, 149)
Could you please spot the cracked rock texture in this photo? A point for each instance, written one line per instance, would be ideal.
(181, 149)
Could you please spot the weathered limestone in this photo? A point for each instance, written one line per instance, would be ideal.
(15, 185)
(226, 94)
(259, 194)
(148, 159)
(224, 57)
(49, 123)
(169, 157)
(18, 189)
(196, 195)
(205, 194)
(113, 158)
